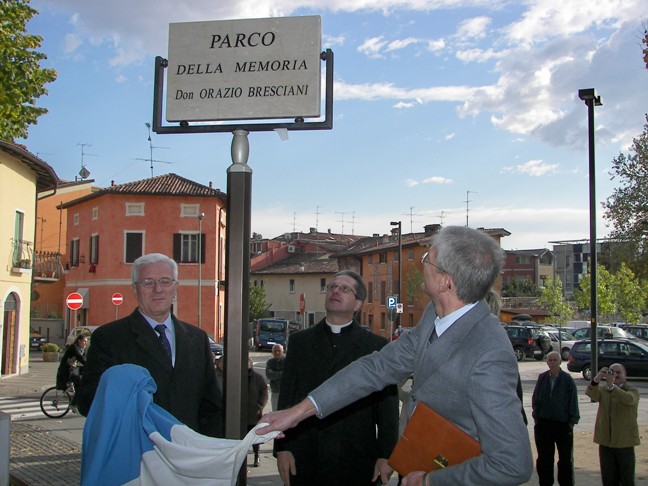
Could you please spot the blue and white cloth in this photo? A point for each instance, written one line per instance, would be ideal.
(129, 440)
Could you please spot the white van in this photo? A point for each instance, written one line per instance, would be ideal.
(578, 324)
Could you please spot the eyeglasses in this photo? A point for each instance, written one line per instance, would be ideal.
(345, 289)
(426, 259)
(164, 282)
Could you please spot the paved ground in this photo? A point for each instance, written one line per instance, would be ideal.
(47, 451)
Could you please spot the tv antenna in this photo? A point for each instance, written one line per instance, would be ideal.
(411, 218)
(151, 147)
(467, 201)
(84, 173)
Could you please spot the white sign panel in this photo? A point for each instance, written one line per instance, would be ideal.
(244, 69)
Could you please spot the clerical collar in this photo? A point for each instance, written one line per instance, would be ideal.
(335, 329)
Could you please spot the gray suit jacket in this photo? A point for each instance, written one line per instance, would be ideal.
(468, 375)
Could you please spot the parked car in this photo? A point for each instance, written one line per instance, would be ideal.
(633, 355)
(602, 332)
(216, 349)
(562, 345)
(524, 340)
(87, 330)
(36, 339)
(638, 331)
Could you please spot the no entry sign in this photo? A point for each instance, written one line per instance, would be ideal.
(74, 301)
(117, 298)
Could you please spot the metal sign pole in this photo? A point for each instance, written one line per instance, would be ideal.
(239, 185)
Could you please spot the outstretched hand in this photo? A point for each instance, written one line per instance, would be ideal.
(286, 419)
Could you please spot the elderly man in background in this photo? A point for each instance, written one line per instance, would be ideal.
(616, 430)
(555, 412)
(462, 362)
(274, 372)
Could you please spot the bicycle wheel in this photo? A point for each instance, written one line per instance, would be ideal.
(55, 403)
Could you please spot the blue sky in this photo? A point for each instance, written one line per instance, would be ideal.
(436, 102)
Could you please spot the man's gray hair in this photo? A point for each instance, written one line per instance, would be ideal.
(472, 258)
(153, 258)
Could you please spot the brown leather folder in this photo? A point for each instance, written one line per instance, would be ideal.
(431, 442)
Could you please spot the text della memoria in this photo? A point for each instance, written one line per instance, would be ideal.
(250, 92)
(244, 67)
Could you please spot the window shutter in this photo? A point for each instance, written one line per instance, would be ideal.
(177, 244)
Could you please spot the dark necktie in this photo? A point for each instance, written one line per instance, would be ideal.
(160, 328)
(434, 335)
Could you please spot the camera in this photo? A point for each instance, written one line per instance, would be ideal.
(610, 372)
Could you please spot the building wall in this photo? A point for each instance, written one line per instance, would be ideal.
(285, 304)
(375, 313)
(51, 236)
(161, 219)
(18, 193)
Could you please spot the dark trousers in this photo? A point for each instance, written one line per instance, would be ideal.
(550, 435)
(617, 465)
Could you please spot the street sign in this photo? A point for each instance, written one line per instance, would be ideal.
(399, 308)
(391, 302)
(302, 304)
(74, 301)
(244, 69)
(117, 298)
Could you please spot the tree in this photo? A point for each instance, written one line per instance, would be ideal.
(626, 209)
(630, 298)
(645, 48)
(620, 295)
(520, 287)
(551, 298)
(22, 80)
(414, 282)
(258, 306)
(605, 294)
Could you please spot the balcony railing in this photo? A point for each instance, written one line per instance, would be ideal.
(47, 266)
(22, 255)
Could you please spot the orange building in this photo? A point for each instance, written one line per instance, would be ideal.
(50, 249)
(108, 229)
(378, 259)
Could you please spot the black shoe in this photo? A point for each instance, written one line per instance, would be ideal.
(257, 461)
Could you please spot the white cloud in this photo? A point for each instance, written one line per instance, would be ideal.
(474, 28)
(436, 45)
(71, 43)
(372, 47)
(437, 180)
(534, 168)
(411, 182)
(401, 44)
(402, 105)
(479, 55)
(450, 136)
(331, 41)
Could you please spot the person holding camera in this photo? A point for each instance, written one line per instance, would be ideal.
(616, 430)
(555, 412)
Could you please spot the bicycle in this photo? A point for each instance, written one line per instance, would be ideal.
(55, 403)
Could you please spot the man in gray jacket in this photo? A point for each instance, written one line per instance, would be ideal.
(462, 362)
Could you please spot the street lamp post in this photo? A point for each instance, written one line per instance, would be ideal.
(591, 100)
(400, 267)
(199, 259)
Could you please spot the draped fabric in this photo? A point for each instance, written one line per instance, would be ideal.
(129, 440)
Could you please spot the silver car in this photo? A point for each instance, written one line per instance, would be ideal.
(562, 343)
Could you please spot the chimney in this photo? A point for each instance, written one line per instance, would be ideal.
(313, 231)
(431, 229)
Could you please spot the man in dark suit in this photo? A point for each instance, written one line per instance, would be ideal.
(350, 447)
(462, 362)
(176, 354)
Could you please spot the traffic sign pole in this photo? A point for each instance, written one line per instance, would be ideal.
(117, 299)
